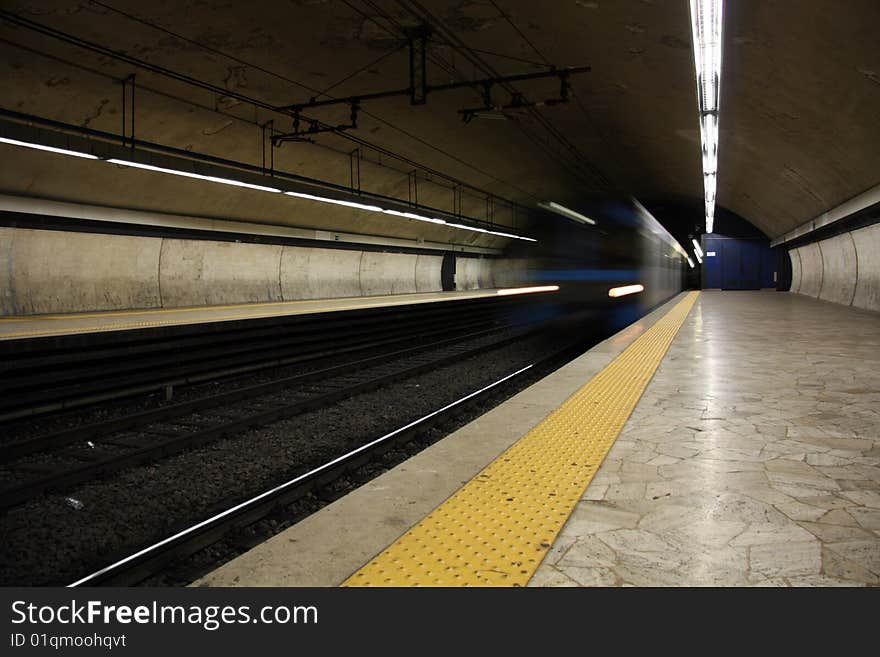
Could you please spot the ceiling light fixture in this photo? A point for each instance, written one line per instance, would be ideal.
(336, 201)
(566, 212)
(321, 199)
(697, 248)
(51, 149)
(262, 188)
(511, 235)
(690, 262)
(417, 217)
(189, 174)
(706, 27)
(491, 232)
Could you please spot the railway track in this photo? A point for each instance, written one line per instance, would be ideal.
(67, 458)
(40, 376)
(139, 565)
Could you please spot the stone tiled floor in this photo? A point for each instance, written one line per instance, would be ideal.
(753, 457)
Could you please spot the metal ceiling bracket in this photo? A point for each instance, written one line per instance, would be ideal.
(125, 92)
(418, 67)
(315, 127)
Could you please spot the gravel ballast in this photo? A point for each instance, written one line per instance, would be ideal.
(57, 538)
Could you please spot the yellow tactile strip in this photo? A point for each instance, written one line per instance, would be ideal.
(495, 530)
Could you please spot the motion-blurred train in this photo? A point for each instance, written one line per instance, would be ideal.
(615, 269)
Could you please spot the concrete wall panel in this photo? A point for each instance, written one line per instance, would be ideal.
(843, 269)
(314, 273)
(54, 271)
(867, 243)
(510, 272)
(795, 258)
(502, 272)
(811, 270)
(428, 270)
(486, 273)
(388, 273)
(197, 273)
(839, 269)
(467, 274)
(7, 291)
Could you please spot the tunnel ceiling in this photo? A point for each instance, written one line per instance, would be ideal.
(799, 103)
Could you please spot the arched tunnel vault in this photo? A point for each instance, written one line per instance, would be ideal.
(800, 95)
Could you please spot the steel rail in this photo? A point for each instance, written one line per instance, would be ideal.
(95, 430)
(63, 378)
(143, 563)
(27, 490)
(149, 560)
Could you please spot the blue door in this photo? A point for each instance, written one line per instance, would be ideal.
(737, 264)
(741, 265)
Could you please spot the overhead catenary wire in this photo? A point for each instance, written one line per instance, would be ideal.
(348, 136)
(577, 161)
(546, 61)
(220, 91)
(397, 29)
(361, 69)
(449, 39)
(208, 48)
(519, 31)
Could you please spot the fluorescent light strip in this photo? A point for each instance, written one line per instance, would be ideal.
(187, 174)
(418, 217)
(263, 188)
(491, 232)
(433, 220)
(471, 228)
(320, 199)
(51, 149)
(698, 252)
(706, 29)
(527, 290)
(706, 26)
(512, 236)
(475, 229)
(624, 290)
(690, 262)
(566, 212)
(335, 201)
(463, 227)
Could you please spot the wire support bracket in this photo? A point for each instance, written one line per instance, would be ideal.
(419, 89)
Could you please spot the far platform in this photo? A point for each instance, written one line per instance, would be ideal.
(34, 326)
(752, 458)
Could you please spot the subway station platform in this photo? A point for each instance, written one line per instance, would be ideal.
(726, 439)
(35, 326)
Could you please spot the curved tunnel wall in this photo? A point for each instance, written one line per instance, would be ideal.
(57, 271)
(473, 274)
(843, 269)
(212, 273)
(46, 271)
